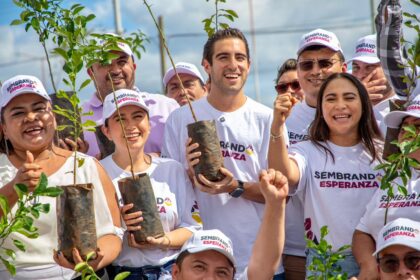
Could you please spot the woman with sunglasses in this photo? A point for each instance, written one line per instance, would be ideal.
(27, 147)
(398, 250)
(175, 199)
(287, 80)
(399, 205)
(333, 172)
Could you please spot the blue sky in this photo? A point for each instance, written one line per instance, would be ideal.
(278, 25)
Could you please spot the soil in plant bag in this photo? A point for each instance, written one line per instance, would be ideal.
(204, 133)
(76, 220)
(140, 192)
(61, 120)
(106, 146)
(392, 133)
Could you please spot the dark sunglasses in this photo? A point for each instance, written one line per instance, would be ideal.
(282, 88)
(391, 263)
(307, 65)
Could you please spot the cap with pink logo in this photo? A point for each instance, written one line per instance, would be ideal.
(182, 68)
(401, 231)
(319, 37)
(21, 84)
(394, 119)
(124, 97)
(205, 240)
(365, 50)
(124, 47)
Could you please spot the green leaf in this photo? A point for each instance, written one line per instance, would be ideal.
(81, 266)
(52, 191)
(84, 84)
(9, 266)
(16, 22)
(19, 244)
(122, 275)
(21, 190)
(10, 253)
(90, 255)
(63, 53)
(4, 205)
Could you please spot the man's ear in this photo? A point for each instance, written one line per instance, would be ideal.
(175, 271)
(206, 65)
(134, 66)
(344, 67)
(90, 72)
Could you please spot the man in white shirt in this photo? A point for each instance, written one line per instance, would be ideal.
(243, 127)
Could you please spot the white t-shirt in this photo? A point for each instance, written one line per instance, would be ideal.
(244, 138)
(175, 201)
(400, 206)
(334, 193)
(297, 124)
(38, 257)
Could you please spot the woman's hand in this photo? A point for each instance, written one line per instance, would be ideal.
(131, 220)
(282, 108)
(162, 243)
(29, 173)
(62, 261)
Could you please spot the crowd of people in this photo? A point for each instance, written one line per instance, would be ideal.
(287, 171)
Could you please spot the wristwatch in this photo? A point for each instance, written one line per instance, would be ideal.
(239, 190)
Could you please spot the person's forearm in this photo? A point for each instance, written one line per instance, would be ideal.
(268, 247)
(110, 246)
(363, 246)
(252, 192)
(278, 156)
(178, 237)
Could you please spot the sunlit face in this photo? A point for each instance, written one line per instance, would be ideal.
(342, 108)
(230, 66)
(136, 124)
(193, 87)
(29, 123)
(286, 79)
(311, 80)
(403, 272)
(122, 70)
(206, 265)
(402, 136)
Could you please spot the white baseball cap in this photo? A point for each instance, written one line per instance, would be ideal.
(319, 37)
(394, 119)
(21, 84)
(125, 48)
(401, 231)
(214, 239)
(124, 97)
(182, 68)
(365, 50)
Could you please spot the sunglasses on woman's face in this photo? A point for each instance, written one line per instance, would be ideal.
(391, 263)
(283, 87)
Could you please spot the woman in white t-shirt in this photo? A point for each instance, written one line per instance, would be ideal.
(400, 205)
(28, 127)
(173, 191)
(333, 172)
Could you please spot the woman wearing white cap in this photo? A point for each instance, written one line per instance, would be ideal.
(333, 173)
(28, 126)
(173, 191)
(399, 205)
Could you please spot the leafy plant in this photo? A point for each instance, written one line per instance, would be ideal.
(213, 23)
(413, 49)
(87, 272)
(22, 220)
(324, 264)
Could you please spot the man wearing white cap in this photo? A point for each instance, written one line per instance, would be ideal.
(209, 254)
(122, 71)
(319, 55)
(191, 79)
(366, 66)
(398, 250)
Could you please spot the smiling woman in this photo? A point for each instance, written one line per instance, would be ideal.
(28, 126)
(344, 131)
(175, 199)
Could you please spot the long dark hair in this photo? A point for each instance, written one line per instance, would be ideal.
(368, 129)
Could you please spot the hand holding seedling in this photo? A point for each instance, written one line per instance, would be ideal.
(62, 261)
(375, 86)
(69, 144)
